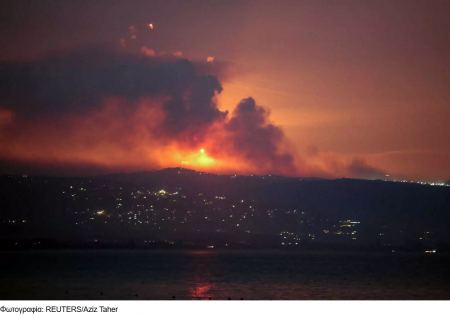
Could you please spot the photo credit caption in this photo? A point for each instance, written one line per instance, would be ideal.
(59, 309)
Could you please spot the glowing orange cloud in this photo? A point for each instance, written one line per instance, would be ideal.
(112, 138)
(141, 111)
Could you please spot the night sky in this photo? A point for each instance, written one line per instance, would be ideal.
(307, 88)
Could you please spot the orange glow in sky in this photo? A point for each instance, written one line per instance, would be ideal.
(199, 159)
(356, 84)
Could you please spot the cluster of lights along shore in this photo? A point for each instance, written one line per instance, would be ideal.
(171, 210)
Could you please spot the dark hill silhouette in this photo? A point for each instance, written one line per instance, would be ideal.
(189, 207)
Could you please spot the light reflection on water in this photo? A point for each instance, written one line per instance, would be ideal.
(213, 274)
(201, 291)
(201, 276)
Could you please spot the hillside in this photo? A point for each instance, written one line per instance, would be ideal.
(179, 206)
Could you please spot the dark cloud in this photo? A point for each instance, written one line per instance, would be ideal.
(105, 102)
(79, 80)
(360, 169)
(257, 139)
(77, 83)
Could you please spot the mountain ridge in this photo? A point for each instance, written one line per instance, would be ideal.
(202, 208)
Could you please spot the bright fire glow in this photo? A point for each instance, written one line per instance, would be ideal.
(198, 159)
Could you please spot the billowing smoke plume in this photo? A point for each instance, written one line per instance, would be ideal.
(256, 139)
(109, 110)
(118, 108)
(78, 81)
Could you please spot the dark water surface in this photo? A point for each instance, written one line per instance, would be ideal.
(212, 274)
